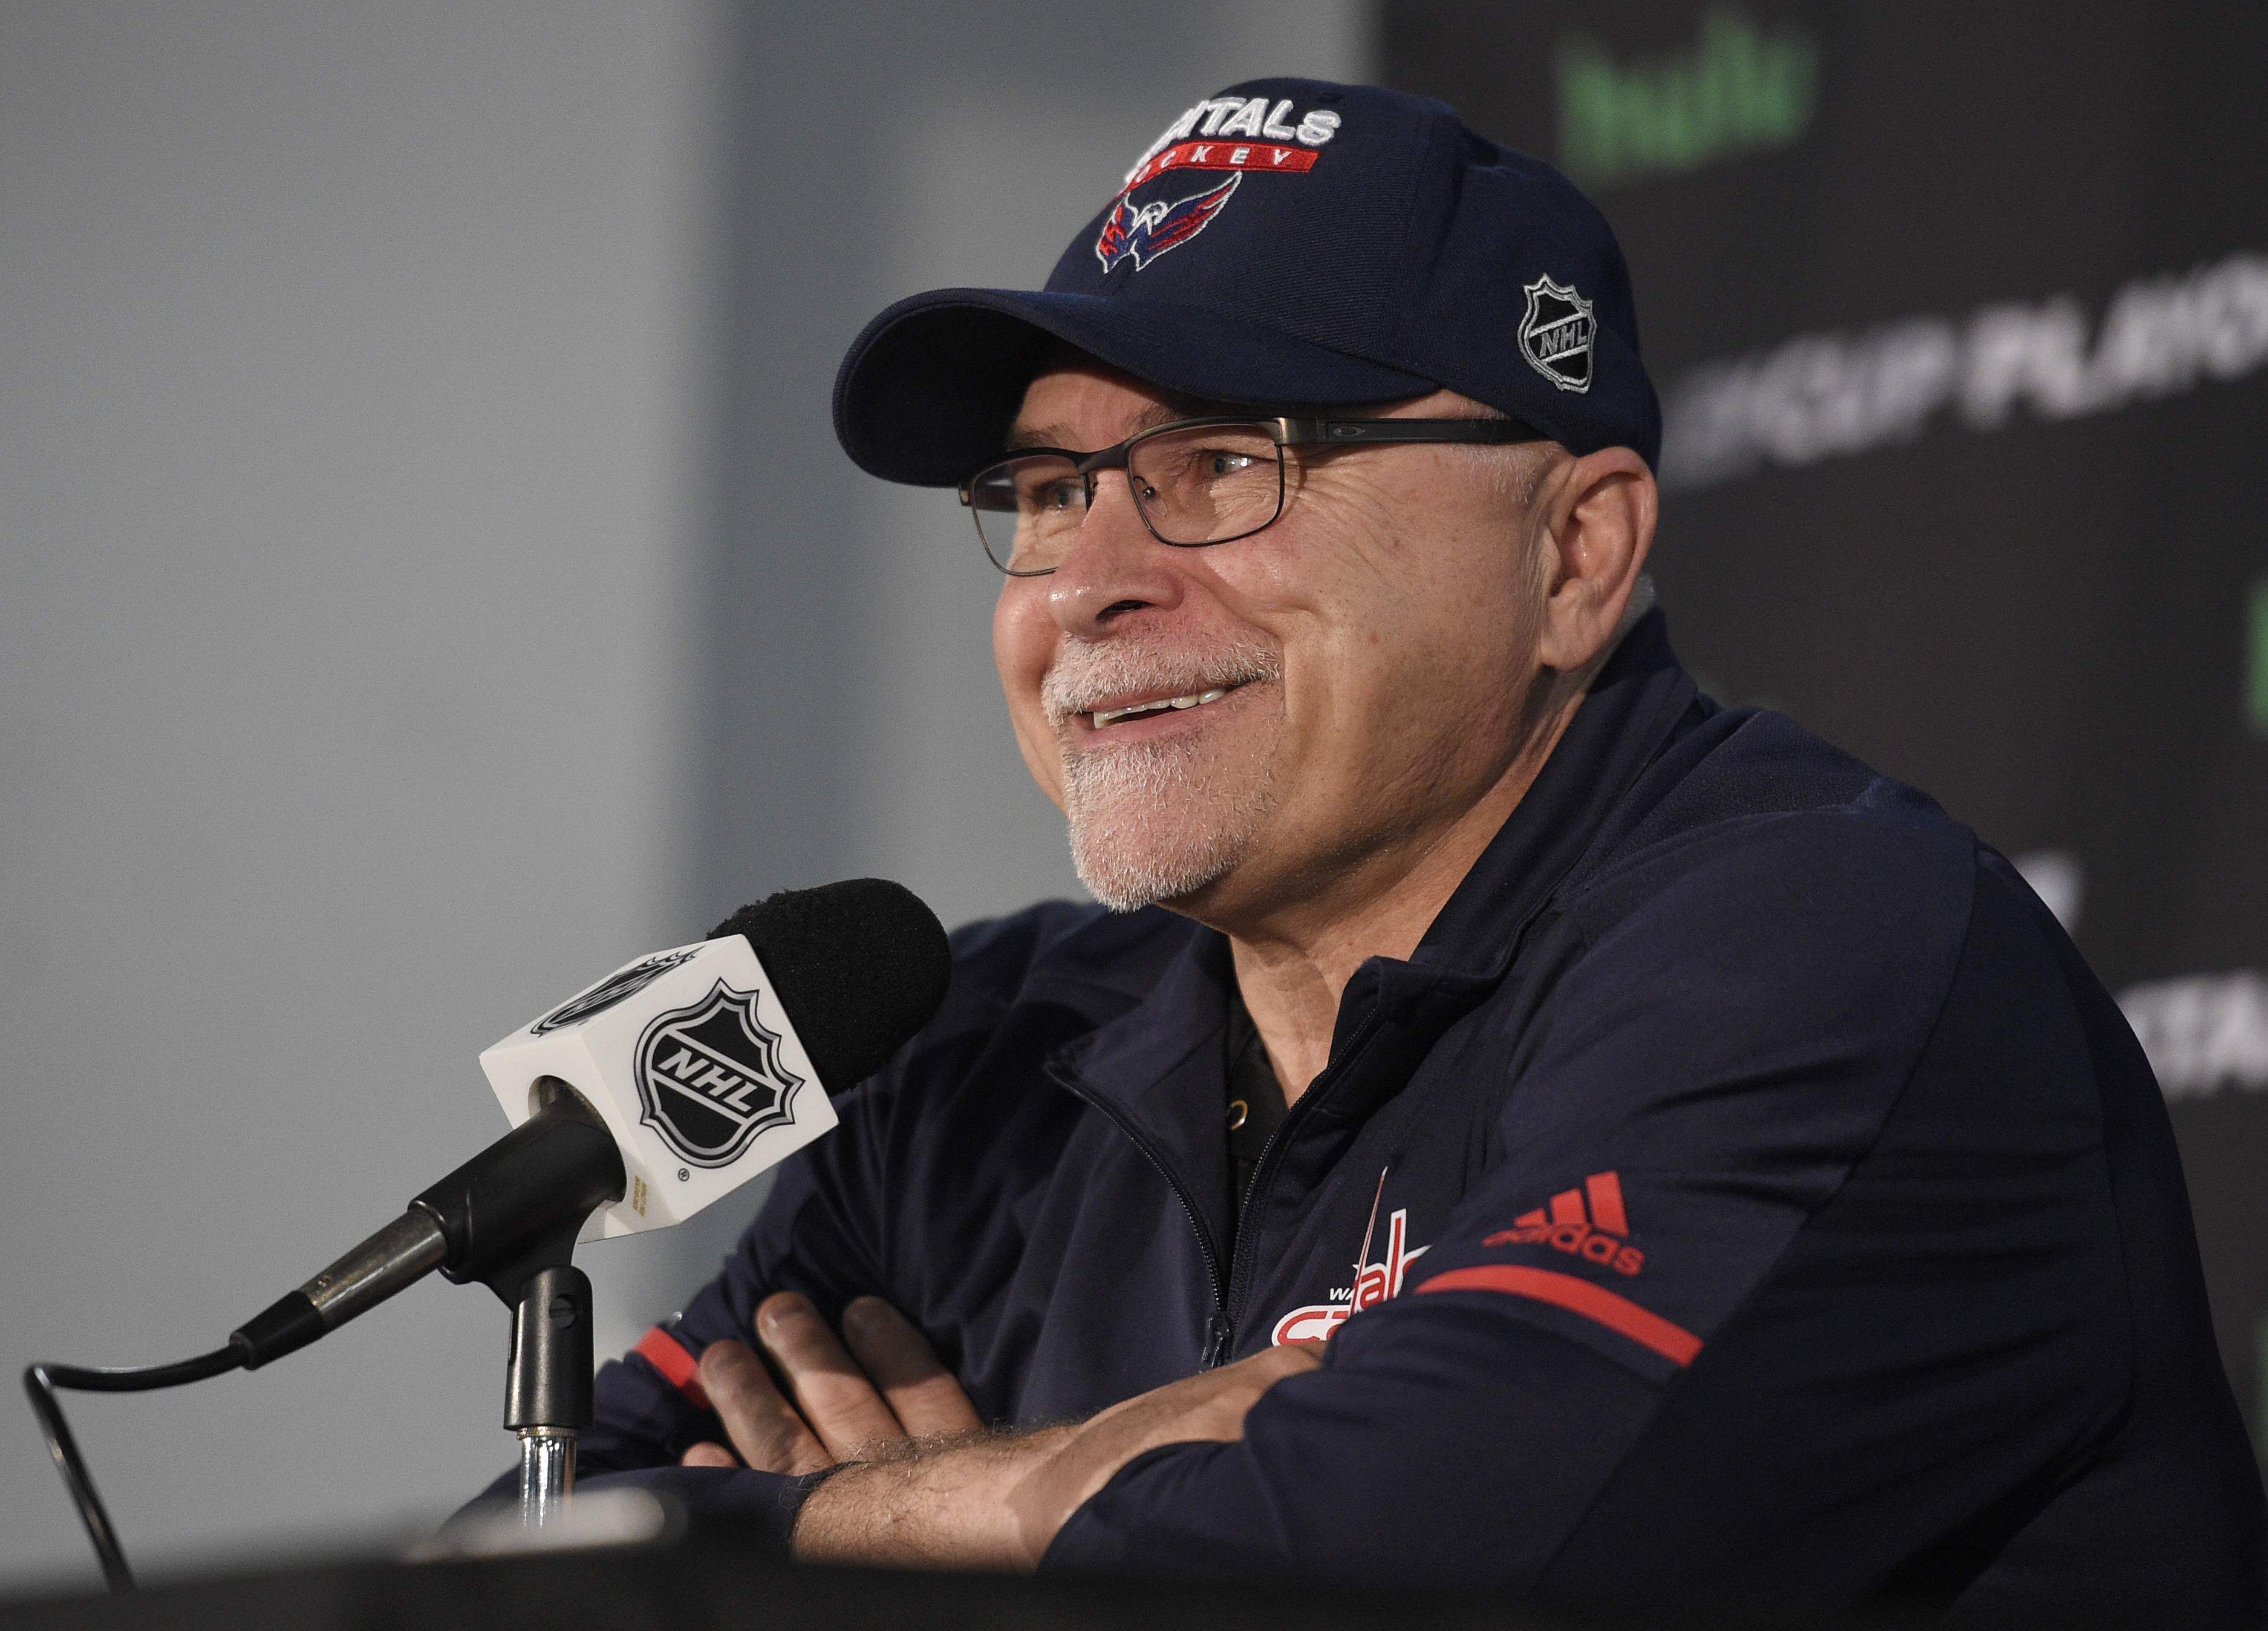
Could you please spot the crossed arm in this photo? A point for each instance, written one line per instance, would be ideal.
(926, 1484)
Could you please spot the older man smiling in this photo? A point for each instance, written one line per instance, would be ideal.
(1716, 1177)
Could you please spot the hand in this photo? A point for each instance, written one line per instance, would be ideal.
(1212, 1404)
(997, 1503)
(850, 1404)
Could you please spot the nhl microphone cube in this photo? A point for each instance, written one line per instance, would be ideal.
(694, 1064)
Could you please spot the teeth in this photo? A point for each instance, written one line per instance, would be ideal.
(1111, 716)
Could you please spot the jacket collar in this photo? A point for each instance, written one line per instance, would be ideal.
(1632, 711)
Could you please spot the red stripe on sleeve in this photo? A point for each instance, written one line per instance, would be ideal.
(1606, 1191)
(667, 1354)
(1673, 1343)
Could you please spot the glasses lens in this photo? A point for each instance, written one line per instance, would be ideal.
(1207, 483)
(1027, 510)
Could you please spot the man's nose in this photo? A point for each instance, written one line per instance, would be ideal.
(1114, 565)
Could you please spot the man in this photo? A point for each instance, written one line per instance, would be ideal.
(1510, 1123)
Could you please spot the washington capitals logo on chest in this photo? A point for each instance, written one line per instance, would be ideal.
(710, 1078)
(1372, 1283)
(1240, 136)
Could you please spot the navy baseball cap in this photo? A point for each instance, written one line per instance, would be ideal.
(1286, 244)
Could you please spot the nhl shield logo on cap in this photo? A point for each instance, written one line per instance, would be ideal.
(710, 1078)
(1556, 335)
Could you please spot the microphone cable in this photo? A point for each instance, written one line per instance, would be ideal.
(40, 1382)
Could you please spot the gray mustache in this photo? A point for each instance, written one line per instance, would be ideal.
(1079, 682)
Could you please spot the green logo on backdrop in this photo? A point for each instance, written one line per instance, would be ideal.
(2255, 678)
(1740, 89)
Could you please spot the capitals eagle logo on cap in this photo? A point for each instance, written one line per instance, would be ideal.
(1147, 231)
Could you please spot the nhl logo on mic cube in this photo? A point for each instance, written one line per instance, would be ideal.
(696, 1067)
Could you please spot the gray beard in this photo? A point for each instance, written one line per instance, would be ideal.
(1153, 822)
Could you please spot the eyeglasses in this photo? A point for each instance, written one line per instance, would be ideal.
(1194, 482)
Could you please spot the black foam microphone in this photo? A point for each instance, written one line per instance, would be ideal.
(860, 965)
(653, 1093)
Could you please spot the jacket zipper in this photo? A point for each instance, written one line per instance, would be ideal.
(1317, 1090)
(1218, 1330)
(1221, 1328)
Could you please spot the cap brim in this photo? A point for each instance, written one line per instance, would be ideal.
(929, 387)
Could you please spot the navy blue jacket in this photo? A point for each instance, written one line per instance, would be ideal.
(1755, 1198)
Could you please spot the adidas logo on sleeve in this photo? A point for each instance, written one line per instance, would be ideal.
(1588, 1223)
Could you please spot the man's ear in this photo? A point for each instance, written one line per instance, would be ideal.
(1598, 518)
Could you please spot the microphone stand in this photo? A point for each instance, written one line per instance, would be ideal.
(511, 1217)
(548, 1386)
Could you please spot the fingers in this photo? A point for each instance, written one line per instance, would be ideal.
(1219, 1411)
(832, 1391)
(922, 1394)
(706, 1455)
(764, 1427)
(840, 1403)
(1212, 1404)
(1271, 1365)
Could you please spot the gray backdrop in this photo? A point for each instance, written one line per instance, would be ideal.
(426, 579)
